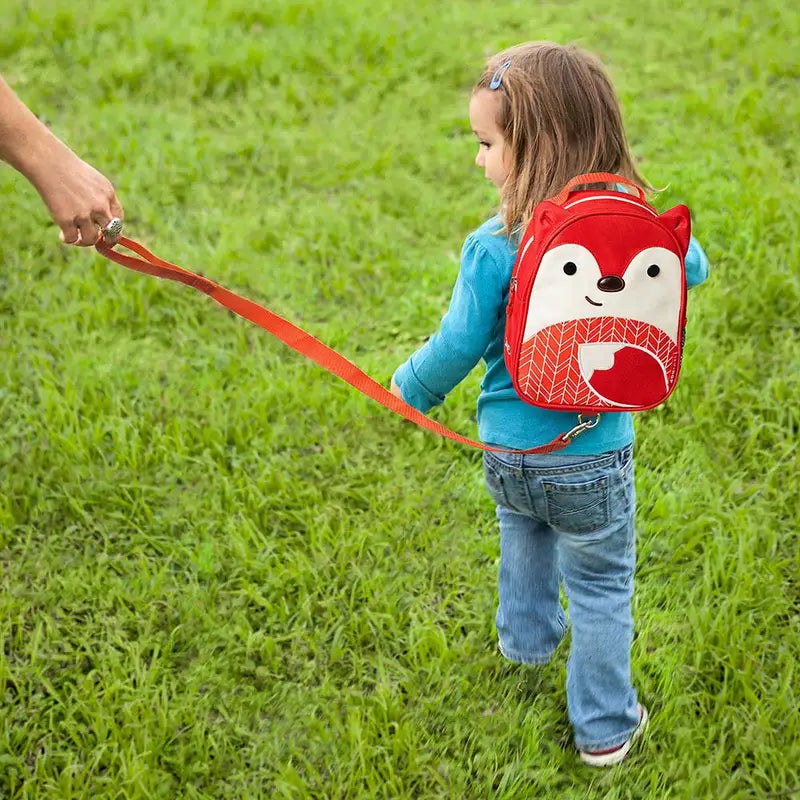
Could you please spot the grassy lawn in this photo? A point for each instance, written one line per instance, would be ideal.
(225, 574)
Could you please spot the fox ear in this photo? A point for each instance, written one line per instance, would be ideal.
(678, 221)
(547, 215)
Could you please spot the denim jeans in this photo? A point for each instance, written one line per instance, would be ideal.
(570, 518)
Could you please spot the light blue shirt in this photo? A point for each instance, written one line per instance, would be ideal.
(473, 329)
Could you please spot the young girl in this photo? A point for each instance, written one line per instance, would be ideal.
(544, 113)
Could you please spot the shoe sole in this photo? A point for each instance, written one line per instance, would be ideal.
(609, 759)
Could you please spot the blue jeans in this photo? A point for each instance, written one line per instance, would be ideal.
(570, 518)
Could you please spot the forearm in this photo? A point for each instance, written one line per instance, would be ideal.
(429, 375)
(466, 330)
(25, 142)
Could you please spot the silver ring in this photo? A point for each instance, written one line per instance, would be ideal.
(112, 231)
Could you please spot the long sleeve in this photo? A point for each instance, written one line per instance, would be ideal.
(464, 334)
(696, 264)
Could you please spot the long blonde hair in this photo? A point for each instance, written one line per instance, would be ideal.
(560, 117)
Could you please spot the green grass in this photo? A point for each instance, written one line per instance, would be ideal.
(225, 573)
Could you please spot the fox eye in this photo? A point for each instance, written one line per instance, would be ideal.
(653, 270)
(570, 268)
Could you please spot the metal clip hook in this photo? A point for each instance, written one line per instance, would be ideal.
(583, 425)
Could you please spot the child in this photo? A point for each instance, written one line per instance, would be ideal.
(544, 113)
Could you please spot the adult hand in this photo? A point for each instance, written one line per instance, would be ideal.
(81, 200)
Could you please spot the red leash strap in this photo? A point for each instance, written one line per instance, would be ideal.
(299, 340)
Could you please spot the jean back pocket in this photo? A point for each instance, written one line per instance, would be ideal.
(577, 507)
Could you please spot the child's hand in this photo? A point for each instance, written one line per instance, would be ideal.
(395, 390)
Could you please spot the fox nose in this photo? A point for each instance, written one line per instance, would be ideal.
(611, 283)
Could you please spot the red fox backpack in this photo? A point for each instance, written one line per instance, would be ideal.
(596, 309)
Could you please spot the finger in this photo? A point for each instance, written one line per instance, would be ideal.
(112, 231)
(110, 226)
(90, 232)
(116, 208)
(101, 218)
(69, 234)
(111, 209)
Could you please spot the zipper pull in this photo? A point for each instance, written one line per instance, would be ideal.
(512, 290)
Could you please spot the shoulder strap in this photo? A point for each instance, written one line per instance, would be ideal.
(595, 177)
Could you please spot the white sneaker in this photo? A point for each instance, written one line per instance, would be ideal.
(606, 758)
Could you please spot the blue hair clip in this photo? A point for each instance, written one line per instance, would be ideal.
(497, 78)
